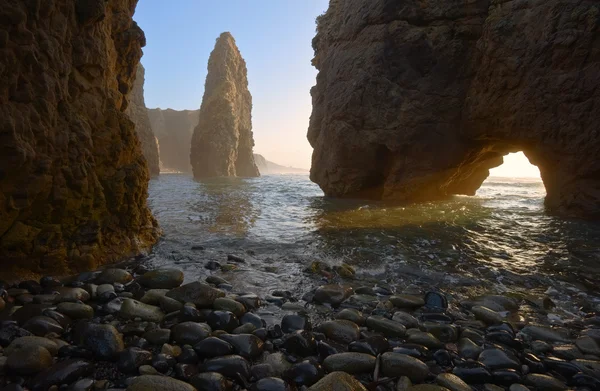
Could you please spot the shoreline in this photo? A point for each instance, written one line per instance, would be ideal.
(136, 329)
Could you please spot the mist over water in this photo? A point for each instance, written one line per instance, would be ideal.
(498, 241)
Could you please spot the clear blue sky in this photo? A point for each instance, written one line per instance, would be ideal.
(274, 37)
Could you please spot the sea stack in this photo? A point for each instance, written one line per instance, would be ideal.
(222, 142)
(174, 130)
(417, 100)
(138, 113)
(73, 181)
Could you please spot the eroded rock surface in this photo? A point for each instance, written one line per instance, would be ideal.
(73, 181)
(139, 115)
(416, 100)
(222, 142)
(174, 130)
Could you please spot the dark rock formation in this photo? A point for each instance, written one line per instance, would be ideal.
(222, 142)
(73, 181)
(174, 130)
(266, 167)
(416, 100)
(139, 115)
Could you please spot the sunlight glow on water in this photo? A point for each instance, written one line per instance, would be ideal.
(280, 223)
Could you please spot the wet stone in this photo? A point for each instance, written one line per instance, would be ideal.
(506, 377)
(413, 350)
(131, 309)
(261, 371)
(250, 301)
(190, 333)
(406, 319)
(278, 363)
(111, 276)
(497, 359)
(270, 384)
(374, 345)
(246, 345)
(388, 327)
(545, 334)
(407, 301)
(150, 382)
(163, 362)
(185, 371)
(426, 339)
(300, 343)
(202, 295)
(132, 358)
(588, 345)
(210, 381)
(76, 310)
(338, 381)
(161, 279)
(152, 296)
(222, 320)
(247, 328)
(63, 372)
(342, 331)
(351, 362)
(473, 375)
(43, 325)
(291, 323)
(452, 382)
(435, 301)
(351, 314)
(486, 315)
(103, 340)
(442, 357)
(228, 366)
(253, 319)
(169, 305)
(29, 360)
(305, 373)
(82, 385)
(443, 332)
(566, 352)
(213, 347)
(544, 382)
(396, 364)
(31, 341)
(332, 294)
(9, 331)
(226, 304)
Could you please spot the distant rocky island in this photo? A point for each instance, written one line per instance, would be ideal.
(222, 141)
(267, 167)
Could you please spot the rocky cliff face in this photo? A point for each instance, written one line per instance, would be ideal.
(139, 115)
(174, 130)
(222, 142)
(417, 99)
(73, 181)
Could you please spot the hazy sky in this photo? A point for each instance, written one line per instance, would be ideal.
(274, 37)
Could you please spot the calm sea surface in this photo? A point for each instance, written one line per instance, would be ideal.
(498, 241)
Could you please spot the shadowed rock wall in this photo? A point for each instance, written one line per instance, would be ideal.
(417, 99)
(139, 115)
(174, 129)
(222, 142)
(73, 181)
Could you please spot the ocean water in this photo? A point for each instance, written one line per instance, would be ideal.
(499, 241)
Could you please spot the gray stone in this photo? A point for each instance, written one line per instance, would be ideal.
(338, 381)
(202, 295)
(452, 382)
(343, 331)
(545, 334)
(162, 383)
(102, 339)
(544, 382)
(226, 304)
(588, 346)
(351, 314)
(425, 339)
(27, 342)
(406, 319)
(407, 301)
(153, 296)
(468, 349)
(388, 327)
(350, 363)
(131, 309)
(397, 364)
(67, 294)
(332, 294)
(76, 310)
(487, 315)
(29, 360)
(162, 279)
(190, 333)
(111, 276)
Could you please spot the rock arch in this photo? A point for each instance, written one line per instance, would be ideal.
(418, 100)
